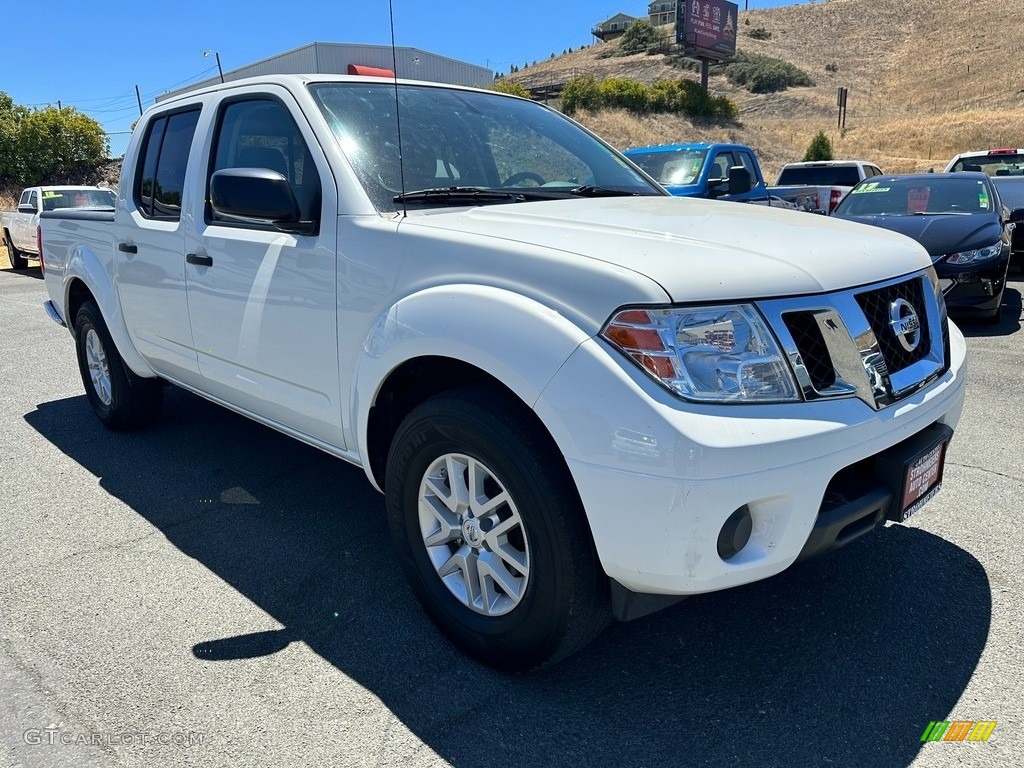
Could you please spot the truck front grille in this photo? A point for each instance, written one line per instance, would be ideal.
(845, 344)
(811, 345)
(876, 306)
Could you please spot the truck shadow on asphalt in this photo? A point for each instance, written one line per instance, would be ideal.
(32, 271)
(843, 660)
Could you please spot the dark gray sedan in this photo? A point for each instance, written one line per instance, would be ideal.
(962, 221)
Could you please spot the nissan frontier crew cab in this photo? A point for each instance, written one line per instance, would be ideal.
(583, 398)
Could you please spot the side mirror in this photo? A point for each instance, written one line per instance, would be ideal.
(26, 209)
(258, 195)
(718, 187)
(1016, 216)
(740, 180)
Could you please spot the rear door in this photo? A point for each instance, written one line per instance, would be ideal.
(150, 248)
(263, 302)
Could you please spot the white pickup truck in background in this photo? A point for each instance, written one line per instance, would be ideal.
(582, 398)
(20, 227)
(831, 180)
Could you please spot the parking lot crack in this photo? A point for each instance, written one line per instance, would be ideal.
(986, 471)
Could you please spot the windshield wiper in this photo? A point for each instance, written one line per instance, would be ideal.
(591, 190)
(458, 195)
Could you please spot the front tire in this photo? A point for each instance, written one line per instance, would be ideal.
(17, 260)
(491, 533)
(120, 399)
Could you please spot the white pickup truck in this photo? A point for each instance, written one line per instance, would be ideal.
(582, 398)
(829, 180)
(20, 228)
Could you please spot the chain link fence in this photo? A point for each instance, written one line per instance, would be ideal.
(118, 143)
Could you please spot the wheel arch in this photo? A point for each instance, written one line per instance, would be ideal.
(413, 382)
(444, 337)
(87, 280)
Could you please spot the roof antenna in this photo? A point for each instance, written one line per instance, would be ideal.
(398, 120)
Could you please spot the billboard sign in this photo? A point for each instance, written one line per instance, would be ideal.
(707, 28)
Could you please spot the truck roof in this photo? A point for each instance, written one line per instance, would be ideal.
(827, 163)
(303, 79)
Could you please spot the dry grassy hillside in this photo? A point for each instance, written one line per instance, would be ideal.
(926, 79)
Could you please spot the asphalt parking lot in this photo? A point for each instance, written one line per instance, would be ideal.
(211, 593)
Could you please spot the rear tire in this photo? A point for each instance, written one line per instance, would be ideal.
(120, 399)
(17, 260)
(491, 533)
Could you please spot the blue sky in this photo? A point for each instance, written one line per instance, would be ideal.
(92, 55)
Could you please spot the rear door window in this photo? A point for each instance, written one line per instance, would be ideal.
(161, 178)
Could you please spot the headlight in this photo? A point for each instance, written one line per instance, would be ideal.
(708, 354)
(978, 254)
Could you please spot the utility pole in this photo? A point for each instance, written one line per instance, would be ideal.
(217, 55)
(138, 98)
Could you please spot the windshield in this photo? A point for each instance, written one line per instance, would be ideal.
(77, 198)
(466, 139)
(929, 194)
(994, 164)
(827, 176)
(671, 168)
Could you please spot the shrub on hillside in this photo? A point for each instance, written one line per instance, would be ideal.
(622, 93)
(820, 148)
(764, 74)
(507, 86)
(639, 37)
(580, 93)
(671, 96)
(759, 33)
(687, 97)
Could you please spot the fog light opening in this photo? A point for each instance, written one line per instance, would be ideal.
(735, 533)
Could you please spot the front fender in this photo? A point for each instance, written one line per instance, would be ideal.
(517, 340)
(94, 270)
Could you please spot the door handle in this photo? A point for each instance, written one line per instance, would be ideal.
(199, 261)
(127, 248)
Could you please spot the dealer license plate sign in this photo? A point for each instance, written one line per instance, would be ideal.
(923, 480)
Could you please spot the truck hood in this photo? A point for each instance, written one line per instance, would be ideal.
(700, 250)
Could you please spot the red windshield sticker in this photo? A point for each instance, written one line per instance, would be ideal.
(917, 199)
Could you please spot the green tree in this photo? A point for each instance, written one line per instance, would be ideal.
(820, 148)
(11, 116)
(639, 37)
(58, 145)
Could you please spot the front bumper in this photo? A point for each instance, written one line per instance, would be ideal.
(977, 290)
(659, 478)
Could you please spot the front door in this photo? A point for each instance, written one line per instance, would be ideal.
(263, 303)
